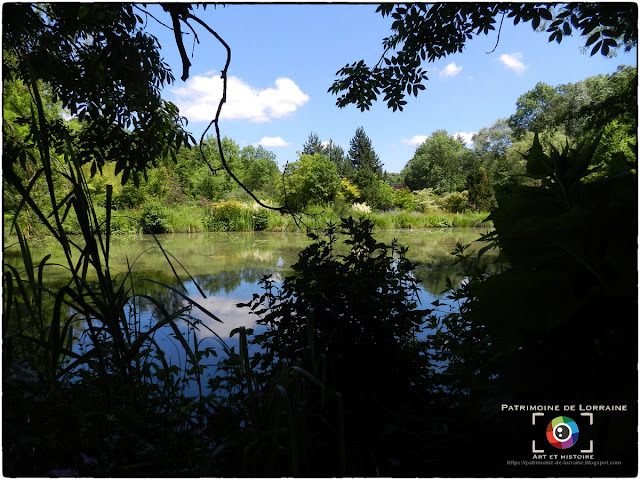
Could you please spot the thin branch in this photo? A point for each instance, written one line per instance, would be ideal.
(297, 216)
(498, 39)
(186, 64)
(215, 121)
(160, 22)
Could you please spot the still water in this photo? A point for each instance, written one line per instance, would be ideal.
(228, 266)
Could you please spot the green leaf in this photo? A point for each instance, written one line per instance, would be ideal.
(535, 23)
(538, 165)
(545, 13)
(596, 48)
(592, 39)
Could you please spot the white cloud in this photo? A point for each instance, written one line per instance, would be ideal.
(466, 136)
(225, 309)
(513, 62)
(451, 70)
(198, 99)
(271, 142)
(415, 140)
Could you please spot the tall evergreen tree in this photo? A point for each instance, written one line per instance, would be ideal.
(367, 168)
(313, 145)
(336, 154)
(362, 155)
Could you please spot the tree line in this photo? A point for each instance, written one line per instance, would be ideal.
(442, 174)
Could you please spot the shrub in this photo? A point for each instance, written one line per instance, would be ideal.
(440, 221)
(154, 217)
(130, 197)
(361, 208)
(228, 216)
(404, 199)
(425, 200)
(365, 299)
(402, 220)
(260, 220)
(121, 225)
(347, 322)
(454, 202)
(347, 192)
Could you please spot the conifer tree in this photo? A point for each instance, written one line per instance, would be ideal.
(313, 145)
(336, 154)
(362, 155)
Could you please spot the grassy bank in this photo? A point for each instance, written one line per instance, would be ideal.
(233, 216)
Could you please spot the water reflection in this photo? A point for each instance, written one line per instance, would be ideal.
(228, 266)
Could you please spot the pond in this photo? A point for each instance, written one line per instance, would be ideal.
(228, 266)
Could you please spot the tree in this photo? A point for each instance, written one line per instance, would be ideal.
(494, 140)
(374, 191)
(535, 110)
(439, 163)
(362, 154)
(313, 145)
(427, 32)
(494, 150)
(577, 108)
(480, 190)
(313, 179)
(104, 70)
(336, 154)
(603, 103)
(259, 168)
(616, 100)
(368, 172)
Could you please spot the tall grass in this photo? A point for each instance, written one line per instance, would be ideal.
(241, 217)
(279, 433)
(414, 220)
(116, 401)
(185, 219)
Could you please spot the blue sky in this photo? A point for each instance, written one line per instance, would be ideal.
(285, 56)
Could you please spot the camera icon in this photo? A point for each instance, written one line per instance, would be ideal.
(562, 432)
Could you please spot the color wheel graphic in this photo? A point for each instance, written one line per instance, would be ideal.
(562, 432)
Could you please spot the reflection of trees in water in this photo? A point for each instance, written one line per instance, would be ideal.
(431, 253)
(220, 283)
(221, 263)
(432, 274)
(230, 280)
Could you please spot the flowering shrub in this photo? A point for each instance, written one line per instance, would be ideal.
(361, 208)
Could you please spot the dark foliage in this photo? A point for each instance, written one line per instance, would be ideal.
(103, 69)
(559, 326)
(342, 341)
(427, 32)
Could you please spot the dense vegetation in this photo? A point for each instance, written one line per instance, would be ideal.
(349, 376)
(446, 182)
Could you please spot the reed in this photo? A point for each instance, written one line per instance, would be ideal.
(118, 388)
